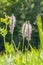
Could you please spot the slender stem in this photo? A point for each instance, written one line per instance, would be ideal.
(12, 42)
(4, 36)
(23, 45)
(11, 38)
(18, 45)
(26, 56)
(4, 40)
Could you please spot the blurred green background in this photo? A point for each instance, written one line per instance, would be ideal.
(23, 10)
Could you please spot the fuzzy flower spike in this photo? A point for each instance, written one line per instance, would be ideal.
(27, 30)
(12, 23)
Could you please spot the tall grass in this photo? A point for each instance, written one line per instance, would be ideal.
(39, 24)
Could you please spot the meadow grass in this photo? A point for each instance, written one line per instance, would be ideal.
(33, 57)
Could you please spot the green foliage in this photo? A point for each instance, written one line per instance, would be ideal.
(9, 48)
(3, 30)
(39, 24)
(27, 58)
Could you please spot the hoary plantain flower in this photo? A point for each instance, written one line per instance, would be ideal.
(27, 30)
(12, 23)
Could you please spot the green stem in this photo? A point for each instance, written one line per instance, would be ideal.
(23, 45)
(26, 56)
(11, 38)
(18, 45)
(4, 40)
(12, 42)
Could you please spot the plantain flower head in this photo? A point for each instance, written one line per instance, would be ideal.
(27, 30)
(12, 23)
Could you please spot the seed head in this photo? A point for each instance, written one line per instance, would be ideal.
(27, 30)
(12, 23)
